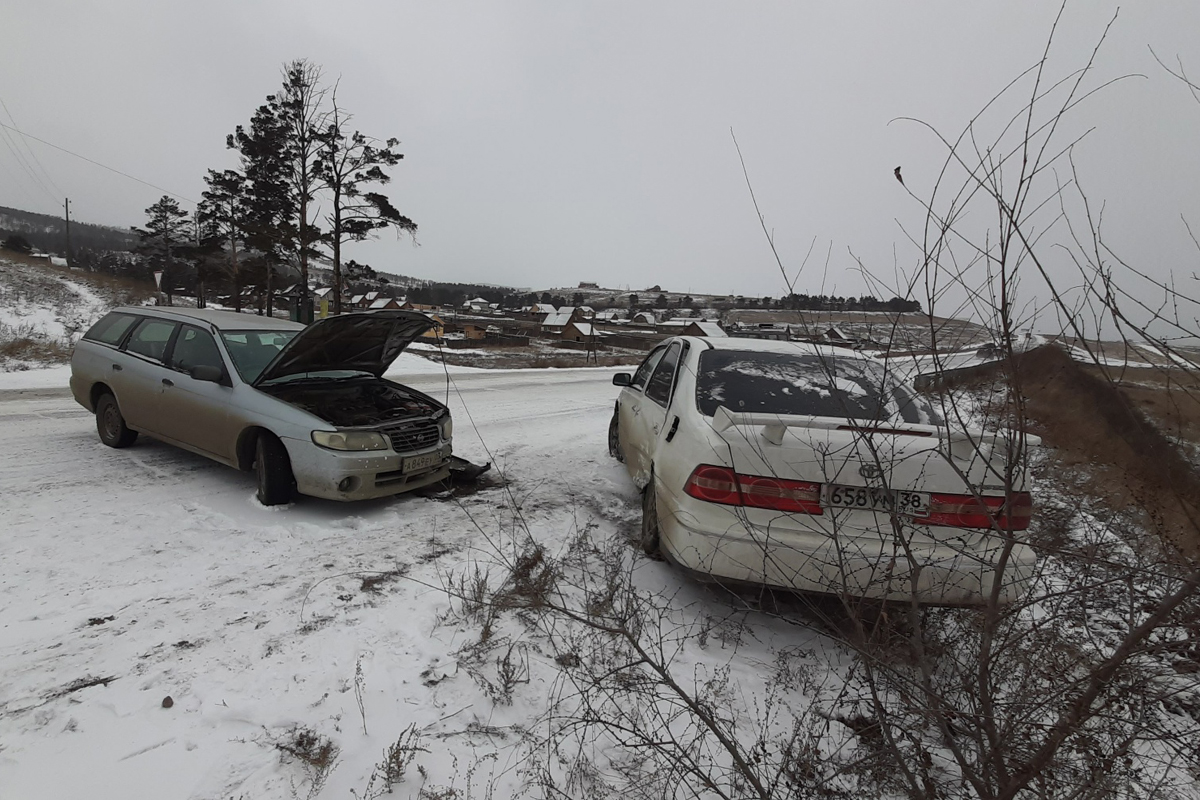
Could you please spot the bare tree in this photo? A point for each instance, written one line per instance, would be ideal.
(347, 165)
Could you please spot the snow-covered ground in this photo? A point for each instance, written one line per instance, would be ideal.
(50, 309)
(133, 575)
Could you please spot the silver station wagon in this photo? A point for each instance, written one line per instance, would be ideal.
(307, 408)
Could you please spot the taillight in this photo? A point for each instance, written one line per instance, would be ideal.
(723, 485)
(968, 511)
(714, 484)
(780, 495)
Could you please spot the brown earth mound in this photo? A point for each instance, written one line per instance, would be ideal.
(1088, 419)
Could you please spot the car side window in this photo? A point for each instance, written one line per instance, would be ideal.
(195, 348)
(111, 328)
(659, 387)
(151, 337)
(643, 373)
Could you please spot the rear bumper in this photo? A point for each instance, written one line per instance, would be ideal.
(320, 472)
(853, 561)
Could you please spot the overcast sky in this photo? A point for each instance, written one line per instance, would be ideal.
(548, 143)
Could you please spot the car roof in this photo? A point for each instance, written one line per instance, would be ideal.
(773, 346)
(221, 320)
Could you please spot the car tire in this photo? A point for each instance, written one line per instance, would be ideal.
(111, 425)
(614, 439)
(274, 470)
(651, 539)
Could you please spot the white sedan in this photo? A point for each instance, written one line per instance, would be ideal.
(810, 468)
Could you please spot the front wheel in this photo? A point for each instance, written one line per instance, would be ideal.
(651, 539)
(111, 425)
(274, 470)
(614, 439)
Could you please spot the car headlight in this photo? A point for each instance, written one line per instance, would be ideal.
(447, 427)
(350, 440)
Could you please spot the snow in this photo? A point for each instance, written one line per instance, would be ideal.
(45, 378)
(253, 620)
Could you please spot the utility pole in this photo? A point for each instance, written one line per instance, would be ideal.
(67, 216)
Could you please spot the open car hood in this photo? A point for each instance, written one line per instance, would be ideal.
(368, 341)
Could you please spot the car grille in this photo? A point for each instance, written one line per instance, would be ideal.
(414, 435)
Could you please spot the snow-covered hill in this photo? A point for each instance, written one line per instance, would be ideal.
(45, 309)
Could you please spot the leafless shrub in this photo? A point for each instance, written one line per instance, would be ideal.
(315, 752)
(397, 758)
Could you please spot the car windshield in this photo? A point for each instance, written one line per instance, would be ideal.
(803, 384)
(251, 351)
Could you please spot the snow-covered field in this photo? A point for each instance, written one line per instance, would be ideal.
(133, 575)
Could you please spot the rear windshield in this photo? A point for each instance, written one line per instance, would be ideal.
(803, 384)
(251, 351)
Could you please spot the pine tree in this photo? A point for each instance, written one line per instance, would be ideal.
(298, 108)
(346, 166)
(223, 219)
(166, 228)
(270, 208)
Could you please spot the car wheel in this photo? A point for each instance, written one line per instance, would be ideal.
(111, 425)
(275, 480)
(651, 540)
(614, 439)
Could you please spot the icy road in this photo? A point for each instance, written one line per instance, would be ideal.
(132, 575)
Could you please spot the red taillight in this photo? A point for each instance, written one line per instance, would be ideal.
(777, 494)
(723, 485)
(968, 511)
(714, 484)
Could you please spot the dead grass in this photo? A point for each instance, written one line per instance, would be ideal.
(36, 350)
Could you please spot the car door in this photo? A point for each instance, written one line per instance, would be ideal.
(650, 419)
(629, 410)
(198, 413)
(143, 370)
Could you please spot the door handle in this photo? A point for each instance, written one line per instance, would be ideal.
(168, 382)
(674, 428)
(117, 368)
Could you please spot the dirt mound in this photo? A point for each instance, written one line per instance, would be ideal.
(1091, 420)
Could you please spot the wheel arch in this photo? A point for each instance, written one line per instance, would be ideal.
(246, 443)
(99, 388)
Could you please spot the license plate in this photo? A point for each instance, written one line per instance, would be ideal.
(869, 498)
(415, 463)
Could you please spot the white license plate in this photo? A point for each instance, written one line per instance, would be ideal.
(415, 463)
(869, 498)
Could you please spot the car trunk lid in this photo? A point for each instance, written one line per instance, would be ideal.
(366, 342)
(896, 456)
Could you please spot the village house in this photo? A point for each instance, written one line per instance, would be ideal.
(581, 332)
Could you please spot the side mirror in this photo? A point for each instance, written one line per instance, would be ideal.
(206, 372)
(622, 379)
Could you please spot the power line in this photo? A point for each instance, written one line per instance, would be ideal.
(23, 163)
(29, 150)
(97, 163)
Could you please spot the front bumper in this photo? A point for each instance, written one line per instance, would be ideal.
(321, 473)
(941, 566)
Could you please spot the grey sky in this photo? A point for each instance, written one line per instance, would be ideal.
(550, 143)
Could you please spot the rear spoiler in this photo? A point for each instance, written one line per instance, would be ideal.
(774, 426)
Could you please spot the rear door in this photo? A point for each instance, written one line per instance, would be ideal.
(143, 370)
(197, 413)
(650, 421)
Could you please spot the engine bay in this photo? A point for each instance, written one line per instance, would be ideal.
(355, 402)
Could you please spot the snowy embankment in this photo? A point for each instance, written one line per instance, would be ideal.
(43, 311)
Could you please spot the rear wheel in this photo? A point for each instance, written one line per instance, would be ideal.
(275, 480)
(111, 425)
(614, 439)
(651, 540)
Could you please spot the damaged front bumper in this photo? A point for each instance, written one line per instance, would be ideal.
(359, 475)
